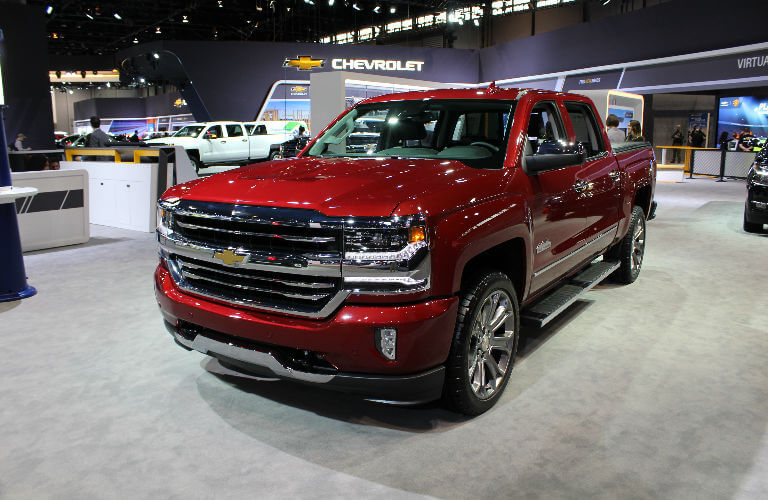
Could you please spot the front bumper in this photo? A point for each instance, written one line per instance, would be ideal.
(756, 208)
(337, 352)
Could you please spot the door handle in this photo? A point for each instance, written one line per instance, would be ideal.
(615, 175)
(223, 142)
(245, 140)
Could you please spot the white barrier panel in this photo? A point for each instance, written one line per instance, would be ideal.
(122, 195)
(58, 214)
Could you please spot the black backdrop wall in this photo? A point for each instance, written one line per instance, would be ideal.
(24, 56)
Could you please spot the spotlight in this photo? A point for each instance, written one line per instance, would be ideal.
(330, 2)
(477, 22)
(157, 30)
(461, 21)
(118, 16)
(221, 4)
(309, 2)
(49, 10)
(71, 91)
(377, 9)
(156, 55)
(184, 19)
(89, 16)
(392, 9)
(356, 7)
(109, 84)
(135, 40)
(142, 79)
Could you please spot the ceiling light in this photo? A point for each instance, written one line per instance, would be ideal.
(71, 92)
(89, 16)
(330, 2)
(221, 4)
(49, 10)
(377, 9)
(477, 22)
(118, 16)
(356, 7)
(141, 79)
(392, 9)
(461, 21)
(156, 55)
(157, 30)
(108, 85)
(184, 19)
(309, 2)
(135, 40)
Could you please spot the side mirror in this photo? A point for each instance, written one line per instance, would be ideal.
(210, 135)
(553, 155)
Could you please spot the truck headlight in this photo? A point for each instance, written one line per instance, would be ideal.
(386, 255)
(165, 215)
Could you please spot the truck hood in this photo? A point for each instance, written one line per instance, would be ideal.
(176, 141)
(346, 186)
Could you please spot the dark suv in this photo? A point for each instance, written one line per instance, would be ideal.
(756, 207)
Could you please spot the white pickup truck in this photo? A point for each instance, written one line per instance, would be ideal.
(221, 143)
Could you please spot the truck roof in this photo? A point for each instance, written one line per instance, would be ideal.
(489, 92)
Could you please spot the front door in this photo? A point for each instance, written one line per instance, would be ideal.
(558, 223)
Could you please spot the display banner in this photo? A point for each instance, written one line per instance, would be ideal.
(751, 65)
(604, 80)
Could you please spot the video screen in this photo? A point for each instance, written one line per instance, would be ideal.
(741, 113)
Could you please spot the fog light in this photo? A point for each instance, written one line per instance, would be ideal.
(386, 342)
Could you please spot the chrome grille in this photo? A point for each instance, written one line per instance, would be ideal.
(289, 260)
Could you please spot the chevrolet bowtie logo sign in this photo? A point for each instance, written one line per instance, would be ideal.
(303, 63)
(228, 257)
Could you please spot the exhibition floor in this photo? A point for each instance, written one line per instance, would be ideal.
(654, 390)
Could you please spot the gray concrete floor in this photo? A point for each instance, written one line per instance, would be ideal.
(654, 390)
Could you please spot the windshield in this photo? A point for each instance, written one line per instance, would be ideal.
(190, 131)
(472, 131)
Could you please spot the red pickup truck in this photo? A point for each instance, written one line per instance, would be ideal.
(400, 267)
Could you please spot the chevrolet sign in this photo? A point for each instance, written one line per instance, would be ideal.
(377, 65)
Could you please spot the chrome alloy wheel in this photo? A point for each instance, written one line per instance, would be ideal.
(638, 245)
(491, 344)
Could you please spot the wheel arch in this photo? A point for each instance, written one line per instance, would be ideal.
(508, 257)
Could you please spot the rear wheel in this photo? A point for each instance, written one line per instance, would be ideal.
(484, 344)
(631, 250)
(751, 227)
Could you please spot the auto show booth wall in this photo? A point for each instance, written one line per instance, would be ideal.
(645, 51)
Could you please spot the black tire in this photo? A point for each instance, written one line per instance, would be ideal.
(273, 154)
(751, 227)
(471, 387)
(195, 161)
(631, 250)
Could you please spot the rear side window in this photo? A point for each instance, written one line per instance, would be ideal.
(214, 130)
(234, 130)
(585, 127)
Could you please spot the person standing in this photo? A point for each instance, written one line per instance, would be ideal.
(745, 140)
(19, 143)
(615, 135)
(697, 137)
(677, 140)
(635, 132)
(98, 138)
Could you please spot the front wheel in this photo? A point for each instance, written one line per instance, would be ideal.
(631, 250)
(484, 344)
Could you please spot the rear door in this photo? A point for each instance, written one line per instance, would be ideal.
(237, 143)
(599, 179)
(558, 223)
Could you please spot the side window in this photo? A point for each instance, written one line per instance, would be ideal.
(545, 129)
(585, 127)
(234, 130)
(213, 132)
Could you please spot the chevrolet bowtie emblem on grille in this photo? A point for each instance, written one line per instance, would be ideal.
(303, 63)
(228, 257)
